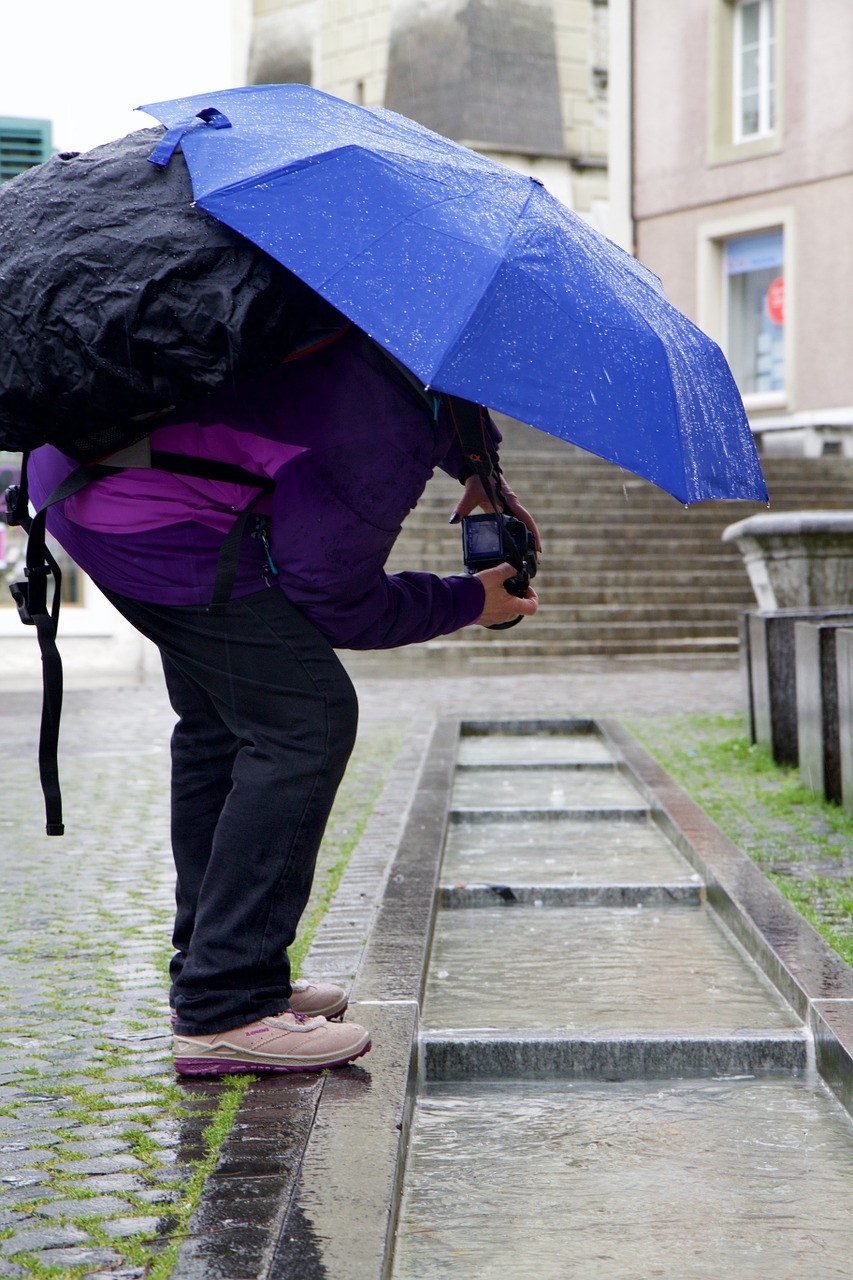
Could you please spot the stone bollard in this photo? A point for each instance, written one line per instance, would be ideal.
(818, 737)
(800, 564)
(797, 559)
(844, 676)
(772, 675)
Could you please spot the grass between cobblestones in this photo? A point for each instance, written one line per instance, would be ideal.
(803, 844)
(103, 1152)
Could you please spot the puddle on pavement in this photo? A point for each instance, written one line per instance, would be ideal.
(626, 969)
(542, 788)
(547, 748)
(744, 1178)
(562, 851)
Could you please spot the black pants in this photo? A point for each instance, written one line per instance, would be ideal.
(267, 721)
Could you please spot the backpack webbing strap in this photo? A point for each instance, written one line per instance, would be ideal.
(31, 598)
(31, 595)
(51, 710)
(229, 557)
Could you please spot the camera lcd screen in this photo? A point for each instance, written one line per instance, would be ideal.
(482, 539)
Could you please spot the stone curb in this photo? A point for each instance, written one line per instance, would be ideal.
(308, 1182)
(809, 974)
(538, 1056)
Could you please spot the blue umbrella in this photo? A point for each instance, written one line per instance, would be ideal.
(477, 279)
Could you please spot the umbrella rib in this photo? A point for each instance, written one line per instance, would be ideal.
(451, 346)
(558, 303)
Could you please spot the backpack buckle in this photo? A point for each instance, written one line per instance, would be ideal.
(12, 497)
(20, 593)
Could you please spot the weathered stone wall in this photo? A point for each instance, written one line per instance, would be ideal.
(522, 80)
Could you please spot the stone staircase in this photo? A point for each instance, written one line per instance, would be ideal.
(626, 571)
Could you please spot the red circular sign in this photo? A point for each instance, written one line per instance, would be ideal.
(775, 300)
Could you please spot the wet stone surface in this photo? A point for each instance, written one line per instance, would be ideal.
(101, 1138)
(85, 1069)
(83, 924)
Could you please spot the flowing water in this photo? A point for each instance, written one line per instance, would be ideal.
(563, 851)
(601, 969)
(746, 1178)
(736, 1178)
(547, 748)
(556, 788)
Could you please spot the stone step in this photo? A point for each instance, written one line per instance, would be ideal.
(592, 638)
(580, 566)
(627, 569)
(604, 644)
(619, 612)
(600, 599)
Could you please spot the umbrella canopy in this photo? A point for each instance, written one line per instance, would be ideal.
(473, 276)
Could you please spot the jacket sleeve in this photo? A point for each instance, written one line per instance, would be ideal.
(397, 609)
(335, 518)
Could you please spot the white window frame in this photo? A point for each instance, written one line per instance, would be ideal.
(767, 77)
(711, 289)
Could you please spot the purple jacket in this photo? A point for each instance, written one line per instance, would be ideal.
(350, 451)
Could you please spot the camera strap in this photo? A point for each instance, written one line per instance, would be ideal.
(469, 422)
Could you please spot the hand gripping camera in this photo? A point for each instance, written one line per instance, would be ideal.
(489, 540)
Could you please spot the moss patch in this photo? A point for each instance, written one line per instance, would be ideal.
(91, 1114)
(803, 844)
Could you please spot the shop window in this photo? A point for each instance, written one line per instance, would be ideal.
(754, 311)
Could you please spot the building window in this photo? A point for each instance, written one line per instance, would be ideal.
(754, 311)
(754, 70)
(23, 144)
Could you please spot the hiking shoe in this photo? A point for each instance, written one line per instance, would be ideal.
(286, 1042)
(316, 999)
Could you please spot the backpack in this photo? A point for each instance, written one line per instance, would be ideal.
(119, 299)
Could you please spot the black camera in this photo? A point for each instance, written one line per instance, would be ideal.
(489, 540)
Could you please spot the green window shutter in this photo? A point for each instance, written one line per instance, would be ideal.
(23, 144)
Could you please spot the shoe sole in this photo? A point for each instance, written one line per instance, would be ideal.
(246, 1066)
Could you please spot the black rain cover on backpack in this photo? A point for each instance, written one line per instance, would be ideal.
(119, 298)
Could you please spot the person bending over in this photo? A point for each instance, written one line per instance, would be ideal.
(266, 712)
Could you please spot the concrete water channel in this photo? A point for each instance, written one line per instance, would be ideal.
(605, 1045)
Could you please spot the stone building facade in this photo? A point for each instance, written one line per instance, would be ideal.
(522, 81)
(742, 192)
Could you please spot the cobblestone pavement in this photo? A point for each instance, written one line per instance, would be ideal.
(100, 1147)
